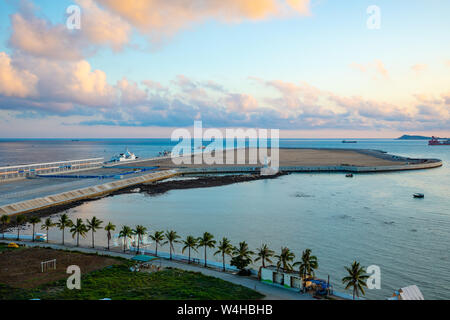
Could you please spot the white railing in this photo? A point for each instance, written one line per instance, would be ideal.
(20, 171)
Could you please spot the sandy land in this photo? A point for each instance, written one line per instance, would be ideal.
(292, 157)
(21, 268)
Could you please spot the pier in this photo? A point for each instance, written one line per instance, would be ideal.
(80, 194)
(30, 170)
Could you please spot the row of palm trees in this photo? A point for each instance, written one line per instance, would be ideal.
(241, 256)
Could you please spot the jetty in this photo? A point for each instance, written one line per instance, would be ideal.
(31, 188)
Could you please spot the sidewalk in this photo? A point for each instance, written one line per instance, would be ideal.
(270, 292)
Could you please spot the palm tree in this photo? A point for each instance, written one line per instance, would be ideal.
(285, 259)
(125, 233)
(158, 237)
(172, 237)
(33, 220)
(94, 224)
(307, 265)
(140, 232)
(206, 241)
(189, 243)
(20, 220)
(63, 223)
(47, 225)
(78, 228)
(264, 254)
(356, 278)
(5, 219)
(109, 227)
(242, 257)
(224, 248)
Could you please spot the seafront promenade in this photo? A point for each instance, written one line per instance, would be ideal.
(271, 292)
(38, 192)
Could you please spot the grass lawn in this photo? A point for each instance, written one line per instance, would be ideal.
(117, 282)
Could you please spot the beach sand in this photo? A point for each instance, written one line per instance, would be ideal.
(291, 157)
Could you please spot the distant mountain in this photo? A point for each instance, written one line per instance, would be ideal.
(408, 137)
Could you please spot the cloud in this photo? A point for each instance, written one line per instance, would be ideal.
(73, 88)
(376, 69)
(111, 23)
(164, 17)
(15, 82)
(358, 67)
(240, 102)
(381, 69)
(60, 86)
(419, 68)
(101, 27)
(40, 38)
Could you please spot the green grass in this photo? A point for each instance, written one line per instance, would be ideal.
(118, 283)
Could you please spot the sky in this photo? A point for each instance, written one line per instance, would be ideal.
(142, 68)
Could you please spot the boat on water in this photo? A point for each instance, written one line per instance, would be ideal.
(349, 141)
(407, 293)
(437, 142)
(123, 157)
(418, 195)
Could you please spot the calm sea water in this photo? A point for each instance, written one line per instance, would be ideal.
(371, 218)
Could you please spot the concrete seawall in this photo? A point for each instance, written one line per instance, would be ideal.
(80, 194)
(434, 163)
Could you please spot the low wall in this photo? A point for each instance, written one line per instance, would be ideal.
(356, 169)
(353, 169)
(79, 194)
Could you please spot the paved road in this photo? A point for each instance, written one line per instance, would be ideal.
(271, 292)
(27, 189)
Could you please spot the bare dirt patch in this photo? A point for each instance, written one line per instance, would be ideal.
(21, 268)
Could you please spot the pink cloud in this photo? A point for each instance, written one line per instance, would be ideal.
(15, 82)
(159, 17)
(419, 68)
(376, 69)
(40, 38)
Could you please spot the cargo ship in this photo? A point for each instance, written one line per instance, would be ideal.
(436, 142)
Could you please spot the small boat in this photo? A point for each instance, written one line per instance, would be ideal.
(349, 141)
(349, 175)
(436, 142)
(407, 293)
(127, 156)
(418, 195)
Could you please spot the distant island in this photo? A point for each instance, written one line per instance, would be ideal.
(408, 137)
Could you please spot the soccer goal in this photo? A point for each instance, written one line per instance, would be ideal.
(48, 265)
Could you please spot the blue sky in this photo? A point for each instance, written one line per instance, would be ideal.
(316, 73)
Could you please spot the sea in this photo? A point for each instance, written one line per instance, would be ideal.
(371, 218)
